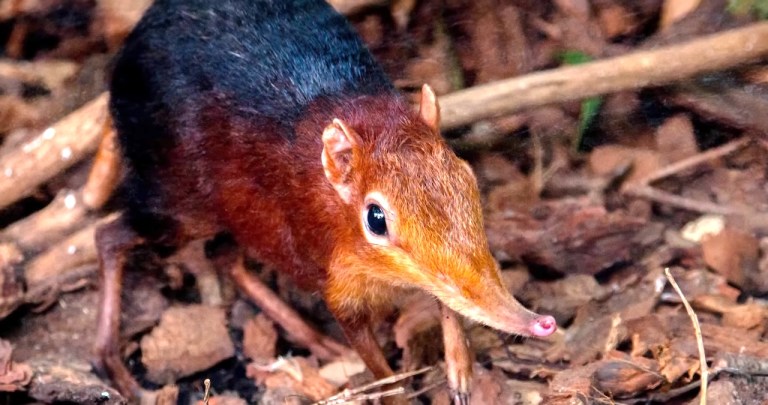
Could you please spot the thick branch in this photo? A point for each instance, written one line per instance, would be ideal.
(639, 69)
(52, 151)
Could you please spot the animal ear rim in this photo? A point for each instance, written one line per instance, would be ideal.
(340, 144)
(429, 108)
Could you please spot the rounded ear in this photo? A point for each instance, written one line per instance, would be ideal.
(429, 109)
(340, 144)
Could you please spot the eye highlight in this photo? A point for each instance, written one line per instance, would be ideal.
(375, 220)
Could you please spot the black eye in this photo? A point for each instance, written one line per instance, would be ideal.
(376, 221)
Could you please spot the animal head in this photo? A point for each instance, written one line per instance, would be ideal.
(420, 218)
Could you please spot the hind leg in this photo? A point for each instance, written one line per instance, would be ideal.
(114, 241)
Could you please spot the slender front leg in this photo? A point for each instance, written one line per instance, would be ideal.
(458, 359)
(114, 241)
(320, 345)
(362, 339)
(364, 342)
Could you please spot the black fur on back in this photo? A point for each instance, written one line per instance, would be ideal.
(265, 60)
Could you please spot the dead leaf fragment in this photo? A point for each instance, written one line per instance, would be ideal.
(296, 374)
(187, 340)
(622, 375)
(339, 371)
(589, 339)
(732, 253)
(604, 160)
(747, 316)
(574, 382)
(13, 376)
(675, 139)
(561, 298)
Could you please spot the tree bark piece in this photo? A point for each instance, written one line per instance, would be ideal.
(37, 231)
(55, 149)
(636, 70)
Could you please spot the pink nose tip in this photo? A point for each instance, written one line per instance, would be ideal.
(544, 326)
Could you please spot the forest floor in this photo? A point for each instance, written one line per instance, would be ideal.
(621, 148)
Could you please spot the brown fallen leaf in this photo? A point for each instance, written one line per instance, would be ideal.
(700, 283)
(187, 340)
(604, 160)
(732, 253)
(678, 359)
(13, 376)
(590, 339)
(621, 375)
(675, 139)
(569, 236)
(573, 382)
(496, 30)
(748, 316)
(561, 298)
(339, 372)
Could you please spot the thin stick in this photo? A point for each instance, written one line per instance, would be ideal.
(351, 394)
(632, 71)
(207, 394)
(699, 340)
(704, 207)
(695, 160)
(643, 189)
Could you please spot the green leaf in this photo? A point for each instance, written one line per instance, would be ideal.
(571, 57)
(589, 107)
(745, 7)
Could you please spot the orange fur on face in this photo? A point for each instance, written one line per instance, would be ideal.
(437, 241)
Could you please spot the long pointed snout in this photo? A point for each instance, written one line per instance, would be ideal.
(491, 304)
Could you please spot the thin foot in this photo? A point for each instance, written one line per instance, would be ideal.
(458, 359)
(113, 240)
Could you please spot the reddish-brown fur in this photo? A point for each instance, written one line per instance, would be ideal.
(287, 156)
